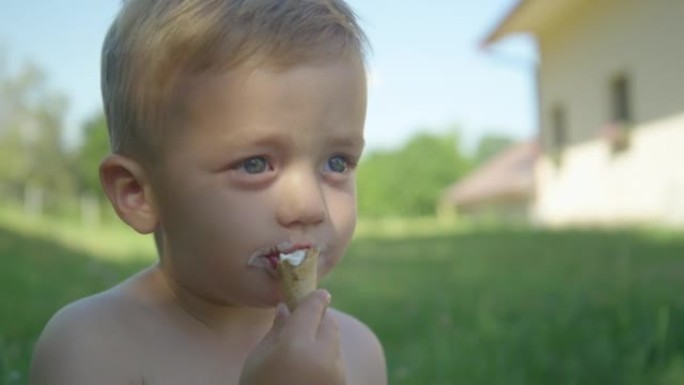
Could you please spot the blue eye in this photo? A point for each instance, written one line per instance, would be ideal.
(255, 165)
(337, 164)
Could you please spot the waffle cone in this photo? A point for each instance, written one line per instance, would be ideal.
(299, 281)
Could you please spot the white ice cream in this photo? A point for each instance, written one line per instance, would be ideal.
(295, 258)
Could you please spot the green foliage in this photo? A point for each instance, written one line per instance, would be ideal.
(94, 148)
(409, 181)
(31, 124)
(491, 145)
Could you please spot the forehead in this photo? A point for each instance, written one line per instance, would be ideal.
(255, 98)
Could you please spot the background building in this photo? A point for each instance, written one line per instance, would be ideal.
(611, 109)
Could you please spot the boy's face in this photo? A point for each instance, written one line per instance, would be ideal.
(265, 158)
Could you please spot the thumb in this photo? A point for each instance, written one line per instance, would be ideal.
(282, 312)
(281, 315)
(307, 317)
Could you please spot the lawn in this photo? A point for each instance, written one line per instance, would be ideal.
(467, 307)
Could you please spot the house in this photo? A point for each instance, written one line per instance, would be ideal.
(611, 109)
(502, 189)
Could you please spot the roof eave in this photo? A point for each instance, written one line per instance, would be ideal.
(507, 25)
(529, 16)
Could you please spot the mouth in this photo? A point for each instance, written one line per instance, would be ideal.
(268, 258)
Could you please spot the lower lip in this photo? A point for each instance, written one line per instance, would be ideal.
(271, 264)
(270, 269)
(274, 258)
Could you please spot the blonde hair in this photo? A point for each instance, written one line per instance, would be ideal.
(155, 45)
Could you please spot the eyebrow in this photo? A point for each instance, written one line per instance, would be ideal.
(353, 141)
(347, 141)
(245, 134)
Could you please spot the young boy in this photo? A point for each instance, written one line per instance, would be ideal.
(235, 128)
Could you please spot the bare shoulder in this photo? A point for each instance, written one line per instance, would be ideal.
(82, 344)
(363, 352)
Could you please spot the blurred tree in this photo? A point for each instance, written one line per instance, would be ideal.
(409, 181)
(94, 148)
(32, 155)
(490, 145)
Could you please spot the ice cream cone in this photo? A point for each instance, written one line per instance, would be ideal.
(299, 281)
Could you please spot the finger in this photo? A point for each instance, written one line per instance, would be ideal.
(305, 320)
(329, 330)
(282, 312)
(279, 321)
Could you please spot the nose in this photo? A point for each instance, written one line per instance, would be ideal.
(301, 202)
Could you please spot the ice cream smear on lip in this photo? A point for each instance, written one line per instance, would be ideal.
(294, 258)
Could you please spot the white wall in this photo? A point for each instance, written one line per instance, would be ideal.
(601, 39)
(593, 185)
(579, 57)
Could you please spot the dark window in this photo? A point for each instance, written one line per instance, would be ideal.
(620, 99)
(559, 128)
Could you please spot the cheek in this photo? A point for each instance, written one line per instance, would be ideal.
(347, 223)
(207, 220)
(342, 212)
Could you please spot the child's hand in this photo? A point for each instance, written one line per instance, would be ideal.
(301, 348)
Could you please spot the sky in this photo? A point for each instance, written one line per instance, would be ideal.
(427, 69)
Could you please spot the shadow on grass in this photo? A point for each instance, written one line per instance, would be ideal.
(37, 277)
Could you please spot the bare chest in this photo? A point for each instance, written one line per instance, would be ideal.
(173, 360)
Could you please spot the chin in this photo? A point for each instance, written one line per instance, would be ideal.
(266, 299)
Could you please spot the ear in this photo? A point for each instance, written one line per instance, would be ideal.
(126, 184)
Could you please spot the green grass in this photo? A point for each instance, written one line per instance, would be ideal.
(45, 264)
(522, 307)
(469, 307)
